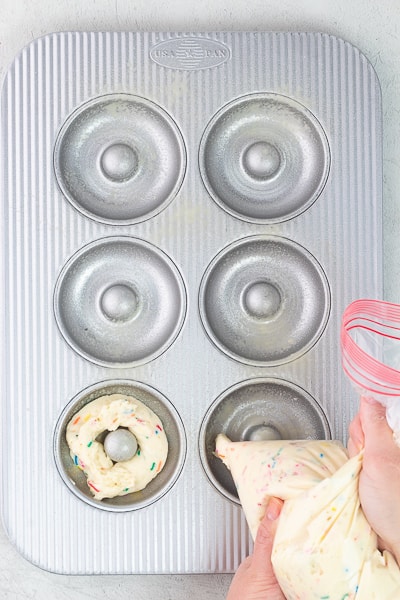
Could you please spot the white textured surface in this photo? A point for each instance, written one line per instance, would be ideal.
(381, 45)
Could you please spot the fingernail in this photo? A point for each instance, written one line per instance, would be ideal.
(273, 510)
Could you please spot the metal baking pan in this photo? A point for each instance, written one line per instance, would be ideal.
(185, 218)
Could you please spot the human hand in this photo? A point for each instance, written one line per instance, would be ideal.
(379, 485)
(255, 578)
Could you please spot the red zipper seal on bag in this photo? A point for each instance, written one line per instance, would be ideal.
(370, 374)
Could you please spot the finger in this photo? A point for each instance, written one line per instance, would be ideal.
(265, 536)
(374, 424)
(353, 449)
(356, 436)
(274, 509)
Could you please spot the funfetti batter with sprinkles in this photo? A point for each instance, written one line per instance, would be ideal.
(324, 548)
(105, 478)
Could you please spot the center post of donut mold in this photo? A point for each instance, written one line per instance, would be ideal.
(120, 445)
(119, 162)
(262, 433)
(261, 160)
(261, 300)
(119, 302)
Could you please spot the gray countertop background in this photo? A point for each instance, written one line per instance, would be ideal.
(372, 25)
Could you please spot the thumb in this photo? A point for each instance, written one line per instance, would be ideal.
(373, 421)
(266, 534)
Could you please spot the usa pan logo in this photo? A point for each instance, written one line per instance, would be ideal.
(190, 53)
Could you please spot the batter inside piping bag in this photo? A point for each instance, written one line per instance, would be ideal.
(324, 546)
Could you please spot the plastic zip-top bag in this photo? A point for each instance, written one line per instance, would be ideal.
(324, 546)
(370, 339)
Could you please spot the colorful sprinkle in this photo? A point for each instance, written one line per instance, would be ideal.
(159, 427)
(86, 419)
(90, 443)
(76, 460)
(93, 487)
(138, 452)
(126, 490)
(76, 421)
(152, 466)
(159, 467)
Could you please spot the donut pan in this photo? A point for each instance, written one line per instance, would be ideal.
(185, 218)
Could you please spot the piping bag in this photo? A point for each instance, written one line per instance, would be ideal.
(324, 546)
